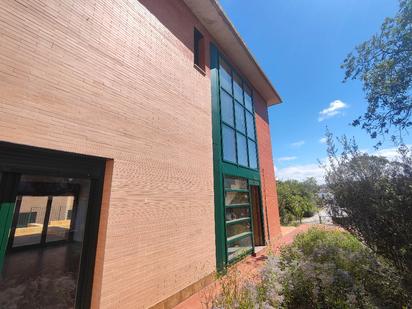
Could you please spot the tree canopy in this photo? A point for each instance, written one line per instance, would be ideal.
(371, 197)
(384, 66)
(297, 199)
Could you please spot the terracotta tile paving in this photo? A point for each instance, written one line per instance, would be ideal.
(248, 267)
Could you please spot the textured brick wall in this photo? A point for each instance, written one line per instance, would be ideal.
(267, 172)
(116, 79)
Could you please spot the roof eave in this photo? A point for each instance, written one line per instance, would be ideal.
(212, 16)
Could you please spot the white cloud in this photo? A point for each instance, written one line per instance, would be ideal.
(335, 108)
(281, 159)
(323, 140)
(389, 153)
(301, 172)
(297, 144)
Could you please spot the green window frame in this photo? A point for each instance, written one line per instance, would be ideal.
(238, 125)
(238, 218)
(222, 86)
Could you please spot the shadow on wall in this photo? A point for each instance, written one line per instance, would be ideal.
(176, 16)
(261, 109)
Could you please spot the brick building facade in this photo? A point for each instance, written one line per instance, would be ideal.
(106, 103)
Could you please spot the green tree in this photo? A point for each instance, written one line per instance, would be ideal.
(297, 199)
(384, 66)
(371, 197)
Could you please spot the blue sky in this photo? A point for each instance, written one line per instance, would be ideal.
(300, 44)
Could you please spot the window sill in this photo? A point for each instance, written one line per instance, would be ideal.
(201, 70)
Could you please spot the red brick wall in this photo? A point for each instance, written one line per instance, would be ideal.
(267, 171)
(115, 79)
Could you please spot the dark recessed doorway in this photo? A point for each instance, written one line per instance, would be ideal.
(49, 218)
(257, 215)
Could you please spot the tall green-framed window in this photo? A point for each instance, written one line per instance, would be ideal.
(237, 119)
(238, 220)
(235, 161)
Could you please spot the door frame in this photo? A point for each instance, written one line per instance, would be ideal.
(20, 159)
(259, 203)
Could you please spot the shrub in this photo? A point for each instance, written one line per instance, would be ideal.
(238, 292)
(332, 269)
(320, 269)
(371, 197)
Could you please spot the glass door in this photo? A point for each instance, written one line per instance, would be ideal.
(47, 222)
(239, 236)
(44, 211)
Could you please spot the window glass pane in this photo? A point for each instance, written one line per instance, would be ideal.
(229, 144)
(237, 228)
(237, 213)
(241, 149)
(250, 126)
(233, 198)
(45, 276)
(237, 88)
(225, 76)
(239, 247)
(235, 183)
(248, 98)
(252, 154)
(60, 218)
(30, 220)
(226, 108)
(240, 117)
(198, 49)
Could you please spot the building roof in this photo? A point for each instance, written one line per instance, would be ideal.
(212, 16)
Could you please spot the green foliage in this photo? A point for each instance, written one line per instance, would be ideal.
(297, 199)
(238, 292)
(320, 269)
(332, 269)
(371, 197)
(384, 65)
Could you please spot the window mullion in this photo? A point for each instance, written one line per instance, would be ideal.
(234, 118)
(228, 125)
(240, 220)
(244, 114)
(237, 206)
(254, 126)
(239, 236)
